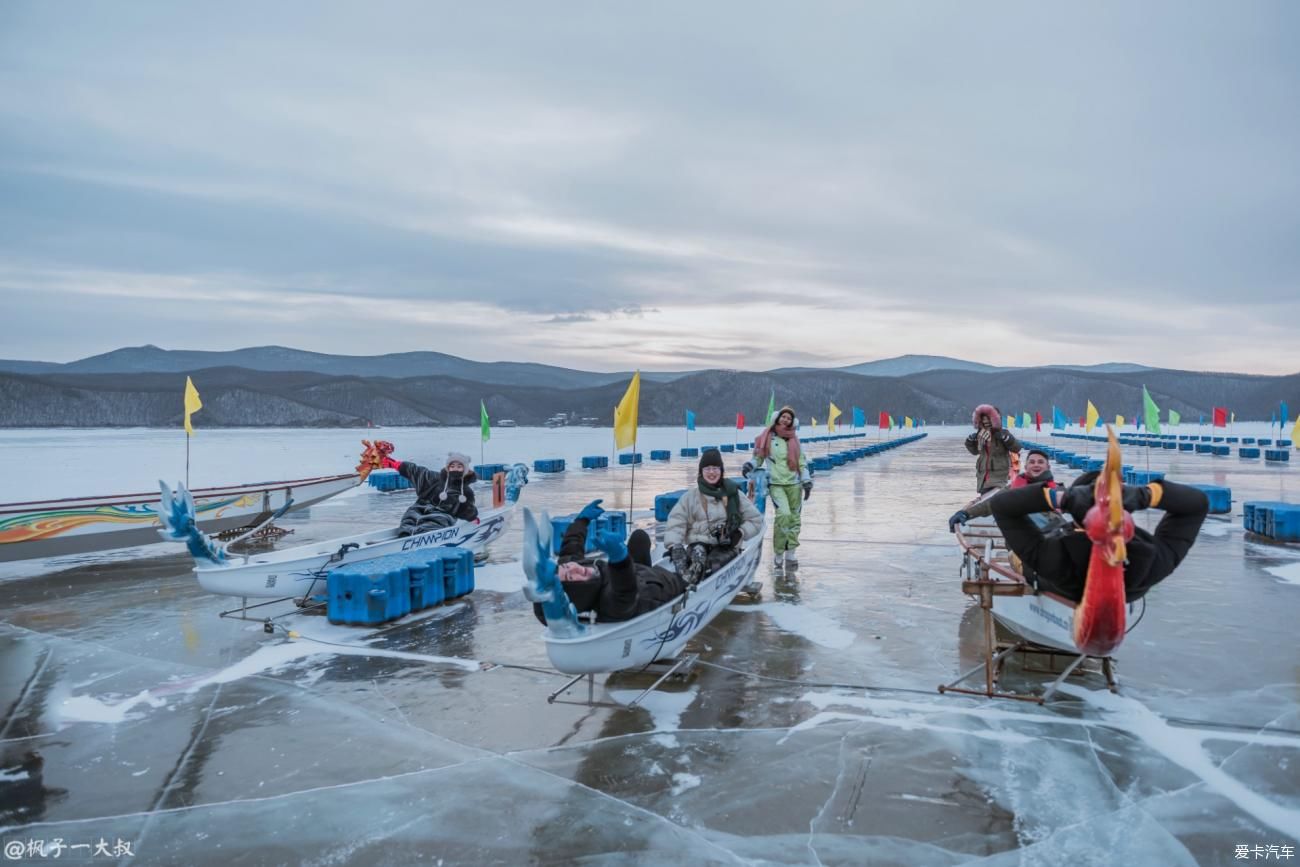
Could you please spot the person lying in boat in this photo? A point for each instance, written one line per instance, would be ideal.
(1038, 469)
(1059, 555)
(621, 587)
(442, 497)
(706, 527)
(992, 446)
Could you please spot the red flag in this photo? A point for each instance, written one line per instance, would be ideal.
(1082, 421)
(884, 421)
(1038, 421)
(1220, 416)
(740, 421)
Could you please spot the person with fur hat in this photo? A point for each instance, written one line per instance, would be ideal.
(442, 497)
(1038, 470)
(992, 446)
(707, 525)
(619, 586)
(789, 482)
(1058, 555)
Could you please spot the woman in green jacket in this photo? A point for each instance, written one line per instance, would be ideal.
(789, 482)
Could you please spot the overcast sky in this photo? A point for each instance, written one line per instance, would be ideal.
(665, 185)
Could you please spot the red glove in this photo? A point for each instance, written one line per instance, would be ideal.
(389, 464)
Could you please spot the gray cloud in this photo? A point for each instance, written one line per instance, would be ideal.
(926, 170)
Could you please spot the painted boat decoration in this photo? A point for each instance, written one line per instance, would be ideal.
(295, 571)
(579, 648)
(53, 528)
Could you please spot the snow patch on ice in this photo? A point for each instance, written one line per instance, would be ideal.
(13, 775)
(683, 782)
(666, 708)
(1289, 573)
(85, 708)
(500, 577)
(803, 621)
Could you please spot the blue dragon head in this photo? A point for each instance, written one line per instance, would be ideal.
(516, 478)
(176, 514)
(544, 587)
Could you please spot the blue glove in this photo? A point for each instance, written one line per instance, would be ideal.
(613, 546)
(591, 511)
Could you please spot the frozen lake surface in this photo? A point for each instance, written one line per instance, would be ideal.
(814, 734)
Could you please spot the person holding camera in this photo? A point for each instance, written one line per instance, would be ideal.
(706, 527)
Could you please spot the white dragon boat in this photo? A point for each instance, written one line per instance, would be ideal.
(54, 528)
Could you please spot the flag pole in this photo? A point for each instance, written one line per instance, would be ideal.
(187, 459)
(631, 492)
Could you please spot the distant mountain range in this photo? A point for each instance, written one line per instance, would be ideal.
(277, 387)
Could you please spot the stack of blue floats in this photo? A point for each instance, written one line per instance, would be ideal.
(388, 480)
(549, 465)
(609, 522)
(386, 588)
(595, 462)
(1273, 520)
(630, 458)
(661, 455)
(485, 472)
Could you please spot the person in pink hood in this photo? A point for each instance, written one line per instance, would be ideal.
(992, 447)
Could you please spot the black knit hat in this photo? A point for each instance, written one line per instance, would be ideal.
(711, 458)
(1038, 452)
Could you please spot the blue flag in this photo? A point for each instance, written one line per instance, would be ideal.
(1059, 421)
(1286, 414)
(690, 420)
(859, 417)
(1202, 421)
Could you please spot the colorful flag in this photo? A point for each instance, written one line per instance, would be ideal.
(1092, 417)
(192, 405)
(859, 417)
(740, 421)
(484, 423)
(771, 408)
(1220, 416)
(891, 422)
(625, 414)
(1151, 411)
(813, 419)
(884, 420)
(1011, 420)
(1174, 418)
(907, 421)
(690, 420)
(1202, 421)
(1059, 419)
(1025, 420)
(1295, 433)
(1285, 415)
(1119, 421)
(1038, 421)
(834, 414)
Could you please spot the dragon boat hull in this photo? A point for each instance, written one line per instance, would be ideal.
(55, 528)
(658, 634)
(294, 571)
(1044, 619)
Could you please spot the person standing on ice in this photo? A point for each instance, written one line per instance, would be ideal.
(789, 482)
(442, 497)
(992, 447)
(706, 527)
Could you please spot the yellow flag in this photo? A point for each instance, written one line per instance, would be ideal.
(1119, 421)
(907, 421)
(1011, 421)
(1295, 433)
(192, 404)
(1091, 419)
(830, 422)
(813, 419)
(625, 414)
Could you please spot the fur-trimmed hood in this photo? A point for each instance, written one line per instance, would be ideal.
(995, 417)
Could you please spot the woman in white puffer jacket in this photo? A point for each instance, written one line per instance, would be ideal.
(706, 526)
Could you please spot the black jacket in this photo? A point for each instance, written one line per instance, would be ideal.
(429, 503)
(1060, 557)
(620, 591)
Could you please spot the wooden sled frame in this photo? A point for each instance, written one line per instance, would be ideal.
(987, 572)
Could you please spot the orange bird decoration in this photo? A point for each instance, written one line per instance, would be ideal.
(372, 457)
(1099, 618)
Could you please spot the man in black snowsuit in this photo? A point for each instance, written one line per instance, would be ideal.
(621, 587)
(1059, 555)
